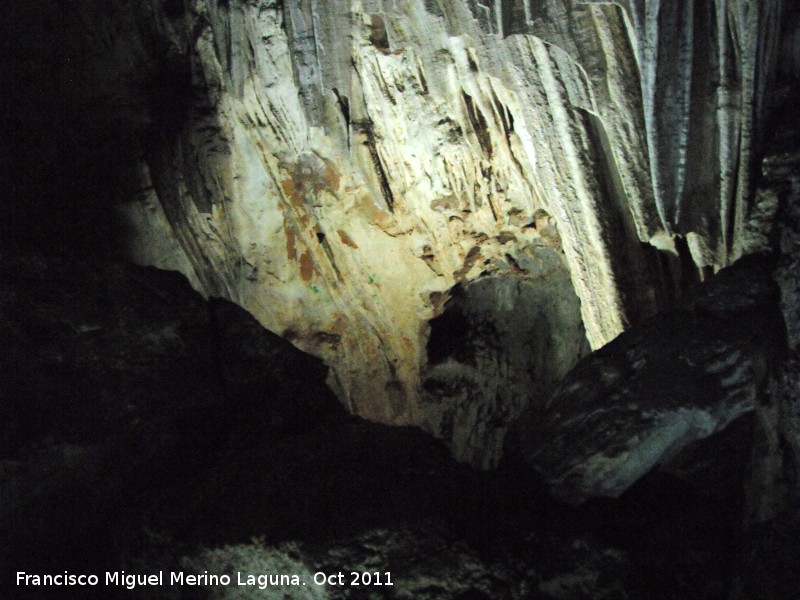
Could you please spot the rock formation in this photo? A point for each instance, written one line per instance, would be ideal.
(146, 429)
(444, 205)
(675, 379)
(341, 169)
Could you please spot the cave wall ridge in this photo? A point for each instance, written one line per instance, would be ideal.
(338, 168)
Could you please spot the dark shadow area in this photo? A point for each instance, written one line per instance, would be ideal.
(131, 405)
(143, 424)
(77, 102)
(450, 332)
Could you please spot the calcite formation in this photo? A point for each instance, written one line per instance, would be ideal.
(338, 168)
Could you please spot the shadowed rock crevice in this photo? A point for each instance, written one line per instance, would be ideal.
(499, 347)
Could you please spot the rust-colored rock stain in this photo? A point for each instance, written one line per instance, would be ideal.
(346, 239)
(332, 178)
(292, 192)
(306, 266)
(291, 240)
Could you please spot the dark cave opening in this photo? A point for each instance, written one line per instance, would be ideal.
(450, 332)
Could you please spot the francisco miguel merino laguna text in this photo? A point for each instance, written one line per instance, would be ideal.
(131, 580)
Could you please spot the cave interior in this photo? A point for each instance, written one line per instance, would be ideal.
(494, 299)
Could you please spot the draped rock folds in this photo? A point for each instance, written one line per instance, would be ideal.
(337, 167)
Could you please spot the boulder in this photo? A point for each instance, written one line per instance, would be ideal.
(677, 378)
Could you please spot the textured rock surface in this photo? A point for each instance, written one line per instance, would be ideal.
(660, 386)
(146, 429)
(776, 457)
(500, 346)
(342, 170)
(429, 564)
(774, 483)
(337, 168)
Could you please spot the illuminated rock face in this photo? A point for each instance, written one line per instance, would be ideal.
(338, 168)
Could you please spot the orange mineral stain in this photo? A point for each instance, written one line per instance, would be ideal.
(291, 241)
(292, 193)
(346, 239)
(306, 266)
